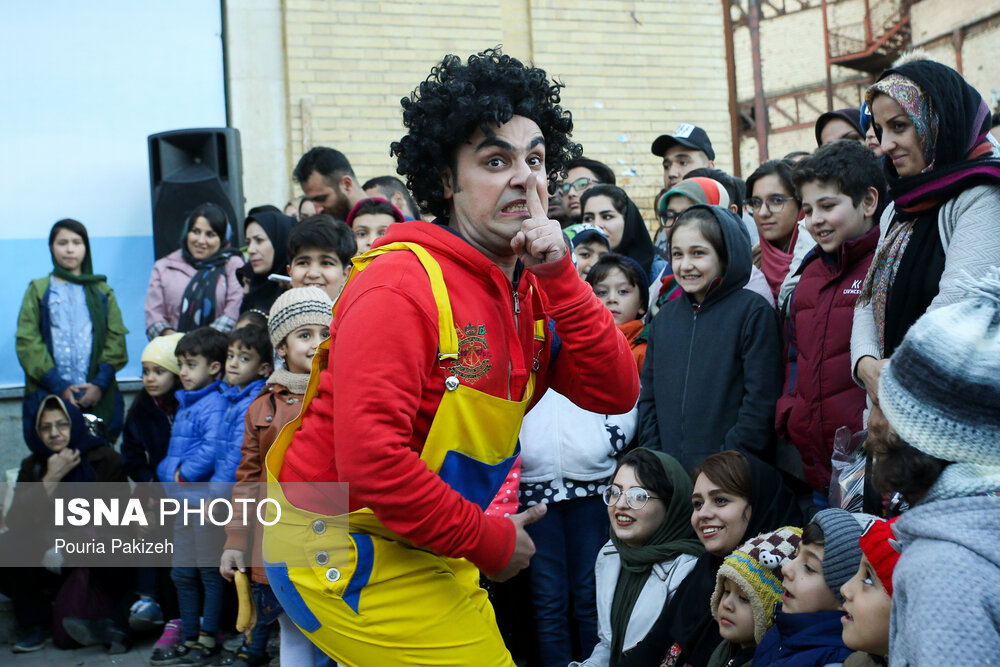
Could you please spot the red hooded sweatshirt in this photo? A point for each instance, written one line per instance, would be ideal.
(379, 394)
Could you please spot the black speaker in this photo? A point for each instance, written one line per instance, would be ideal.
(188, 168)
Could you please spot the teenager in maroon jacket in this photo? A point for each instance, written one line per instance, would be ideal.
(842, 190)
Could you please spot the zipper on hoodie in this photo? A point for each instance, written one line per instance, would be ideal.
(517, 334)
(687, 370)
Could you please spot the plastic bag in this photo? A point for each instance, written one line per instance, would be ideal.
(847, 482)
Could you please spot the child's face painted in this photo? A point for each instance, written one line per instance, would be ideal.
(695, 262)
(320, 268)
(719, 518)
(806, 591)
(244, 365)
(69, 250)
(300, 345)
(157, 380)
(601, 211)
(369, 227)
(197, 371)
(866, 625)
(633, 526)
(735, 615)
(587, 255)
(831, 216)
(620, 296)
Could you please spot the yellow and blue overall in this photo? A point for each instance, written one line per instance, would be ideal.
(388, 602)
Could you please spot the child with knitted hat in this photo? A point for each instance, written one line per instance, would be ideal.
(145, 439)
(868, 595)
(940, 393)
(299, 321)
(747, 590)
(807, 626)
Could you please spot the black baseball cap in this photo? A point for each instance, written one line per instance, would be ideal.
(688, 135)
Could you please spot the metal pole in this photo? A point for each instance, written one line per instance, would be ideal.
(826, 44)
(734, 108)
(759, 105)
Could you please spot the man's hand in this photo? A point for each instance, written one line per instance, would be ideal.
(91, 394)
(232, 560)
(540, 240)
(524, 548)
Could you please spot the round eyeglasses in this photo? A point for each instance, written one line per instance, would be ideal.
(636, 497)
(774, 204)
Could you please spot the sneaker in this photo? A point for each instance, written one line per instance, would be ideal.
(165, 650)
(145, 614)
(118, 642)
(241, 658)
(199, 655)
(33, 640)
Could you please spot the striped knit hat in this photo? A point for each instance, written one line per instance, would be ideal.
(841, 551)
(296, 308)
(941, 389)
(755, 567)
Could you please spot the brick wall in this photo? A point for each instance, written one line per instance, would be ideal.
(632, 70)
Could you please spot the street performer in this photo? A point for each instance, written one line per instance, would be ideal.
(445, 334)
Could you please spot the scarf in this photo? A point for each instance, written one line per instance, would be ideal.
(98, 322)
(295, 382)
(952, 121)
(673, 537)
(775, 262)
(263, 292)
(635, 241)
(198, 303)
(80, 439)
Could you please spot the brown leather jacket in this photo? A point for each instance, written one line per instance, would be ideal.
(272, 409)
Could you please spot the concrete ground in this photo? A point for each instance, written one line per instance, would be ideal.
(92, 656)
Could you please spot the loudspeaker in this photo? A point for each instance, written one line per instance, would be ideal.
(188, 168)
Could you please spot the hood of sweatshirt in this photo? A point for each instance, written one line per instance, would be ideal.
(740, 259)
(972, 522)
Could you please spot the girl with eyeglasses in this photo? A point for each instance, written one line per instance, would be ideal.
(651, 550)
(775, 210)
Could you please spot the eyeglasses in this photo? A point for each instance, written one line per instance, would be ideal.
(579, 184)
(668, 218)
(774, 204)
(54, 426)
(635, 497)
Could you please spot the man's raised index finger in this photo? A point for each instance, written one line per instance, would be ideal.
(533, 197)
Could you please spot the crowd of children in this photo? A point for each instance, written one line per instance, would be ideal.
(854, 310)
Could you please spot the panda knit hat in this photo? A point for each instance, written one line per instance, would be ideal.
(940, 390)
(755, 567)
(296, 308)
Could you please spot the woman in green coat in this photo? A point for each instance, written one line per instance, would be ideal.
(70, 335)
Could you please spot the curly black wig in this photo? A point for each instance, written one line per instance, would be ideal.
(457, 99)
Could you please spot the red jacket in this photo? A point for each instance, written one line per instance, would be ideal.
(820, 395)
(377, 398)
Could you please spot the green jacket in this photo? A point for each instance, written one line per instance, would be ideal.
(34, 348)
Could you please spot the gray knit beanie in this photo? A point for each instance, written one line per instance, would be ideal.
(940, 390)
(296, 308)
(842, 553)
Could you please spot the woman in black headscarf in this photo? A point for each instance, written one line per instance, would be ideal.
(736, 497)
(608, 207)
(941, 229)
(196, 285)
(267, 248)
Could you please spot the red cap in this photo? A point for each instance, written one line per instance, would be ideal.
(354, 211)
(882, 550)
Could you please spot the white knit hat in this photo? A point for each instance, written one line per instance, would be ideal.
(940, 390)
(160, 351)
(296, 308)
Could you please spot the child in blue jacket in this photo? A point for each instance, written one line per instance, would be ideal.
(196, 436)
(248, 364)
(807, 628)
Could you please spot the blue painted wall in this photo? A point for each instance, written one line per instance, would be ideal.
(83, 85)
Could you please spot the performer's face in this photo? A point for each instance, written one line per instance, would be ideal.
(487, 187)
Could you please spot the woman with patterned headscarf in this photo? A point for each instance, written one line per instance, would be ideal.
(944, 179)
